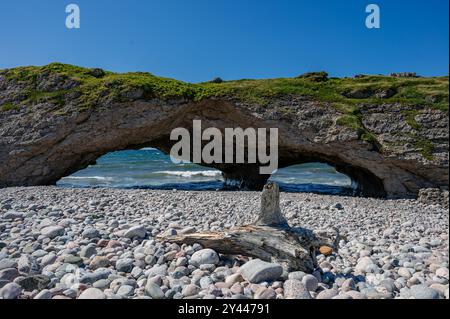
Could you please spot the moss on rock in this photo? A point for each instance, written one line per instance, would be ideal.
(425, 147)
(9, 106)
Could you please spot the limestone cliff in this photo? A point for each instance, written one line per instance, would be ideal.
(389, 134)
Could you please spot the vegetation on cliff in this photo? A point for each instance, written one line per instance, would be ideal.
(347, 92)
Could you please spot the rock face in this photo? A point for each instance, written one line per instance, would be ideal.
(57, 119)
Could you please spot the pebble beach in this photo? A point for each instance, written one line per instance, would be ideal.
(60, 243)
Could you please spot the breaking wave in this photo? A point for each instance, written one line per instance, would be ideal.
(191, 173)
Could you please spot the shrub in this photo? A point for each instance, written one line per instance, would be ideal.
(315, 76)
(217, 80)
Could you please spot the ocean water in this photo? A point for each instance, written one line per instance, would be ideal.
(150, 168)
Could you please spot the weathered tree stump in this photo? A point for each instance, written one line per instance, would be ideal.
(270, 238)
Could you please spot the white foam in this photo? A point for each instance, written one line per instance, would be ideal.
(99, 178)
(191, 173)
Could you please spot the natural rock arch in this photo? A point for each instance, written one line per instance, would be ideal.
(43, 141)
(68, 144)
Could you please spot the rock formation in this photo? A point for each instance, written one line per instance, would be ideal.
(58, 119)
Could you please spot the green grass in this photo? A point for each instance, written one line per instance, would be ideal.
(35, 97)
(425, 147)
(370, 138)
(93, 91)
(9, 106)
(426, 92)
(351, 121)
(411, 118)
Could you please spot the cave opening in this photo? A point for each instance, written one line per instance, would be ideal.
(149, 168)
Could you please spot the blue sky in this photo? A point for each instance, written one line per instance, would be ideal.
(197, 40)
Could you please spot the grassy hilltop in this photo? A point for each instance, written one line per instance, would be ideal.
(342, 93)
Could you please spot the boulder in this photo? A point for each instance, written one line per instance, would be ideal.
(92, 293)
(204, 256)
(295, 289)
(256, 271)
(52, 231)
(136, 231)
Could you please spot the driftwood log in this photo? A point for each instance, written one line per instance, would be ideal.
(270, 238)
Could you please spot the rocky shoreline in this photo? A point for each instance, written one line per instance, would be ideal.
(58, 243)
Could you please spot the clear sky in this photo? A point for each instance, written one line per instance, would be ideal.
(197, 40)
